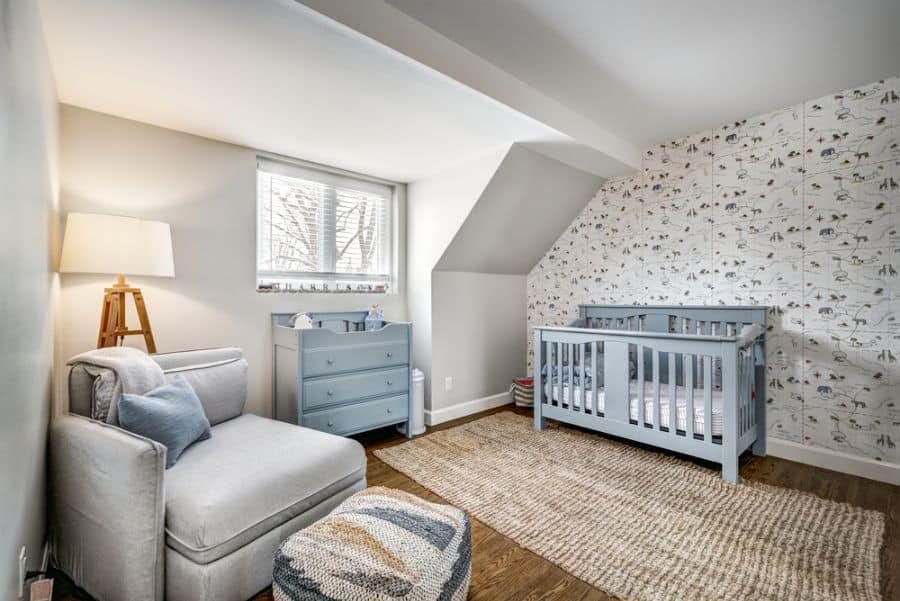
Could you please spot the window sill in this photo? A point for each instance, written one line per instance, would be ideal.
(307, 291)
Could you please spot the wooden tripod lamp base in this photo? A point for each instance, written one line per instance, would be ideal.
(112, 316)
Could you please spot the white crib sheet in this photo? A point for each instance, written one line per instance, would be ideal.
(680, 405)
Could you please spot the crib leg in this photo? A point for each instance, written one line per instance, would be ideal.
(539, 422)
(759, 445)
(730, 415)
(730, 467)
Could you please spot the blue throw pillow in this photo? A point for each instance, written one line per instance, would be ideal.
(171, 415)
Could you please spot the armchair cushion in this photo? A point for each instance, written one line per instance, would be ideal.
(253, 475)
(218, 376)
(171, 415)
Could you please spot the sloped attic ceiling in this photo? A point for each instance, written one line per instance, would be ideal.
(280, 77)
(524, 208)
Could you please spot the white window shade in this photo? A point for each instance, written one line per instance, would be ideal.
(319, 229)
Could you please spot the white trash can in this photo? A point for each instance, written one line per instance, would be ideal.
(418, 404)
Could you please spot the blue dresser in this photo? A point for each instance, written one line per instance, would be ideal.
(339, 378)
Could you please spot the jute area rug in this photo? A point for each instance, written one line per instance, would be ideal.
(643, 526)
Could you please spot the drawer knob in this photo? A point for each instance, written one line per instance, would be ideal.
(330, 423)
(330, 361)
(389, 410)
(390, 355)
(330, 393)
(389, 383)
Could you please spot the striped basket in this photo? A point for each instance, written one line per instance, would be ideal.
(522, 390)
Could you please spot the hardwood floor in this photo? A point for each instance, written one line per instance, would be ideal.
(502, 570)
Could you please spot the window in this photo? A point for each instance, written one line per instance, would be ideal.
(322, 231)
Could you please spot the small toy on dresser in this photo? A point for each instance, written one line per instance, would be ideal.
(374, 319)
(301, 321)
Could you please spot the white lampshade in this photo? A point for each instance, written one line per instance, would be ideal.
(117, 245)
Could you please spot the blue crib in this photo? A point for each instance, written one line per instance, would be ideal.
(681, 378)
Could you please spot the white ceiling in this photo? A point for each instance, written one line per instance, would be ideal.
(651, 70)
(612, 76)
(277, 76)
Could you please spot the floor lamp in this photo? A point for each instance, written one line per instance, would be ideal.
(122, 246)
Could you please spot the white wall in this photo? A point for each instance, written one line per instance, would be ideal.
(438, 205)
(476, 230)
(28, 203)
(529, 201)
(478, 335)
(207, 191)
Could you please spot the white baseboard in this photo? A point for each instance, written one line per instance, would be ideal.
(439, 416)
(833, 460)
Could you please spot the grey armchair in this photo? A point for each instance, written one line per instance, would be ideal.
(126, 529)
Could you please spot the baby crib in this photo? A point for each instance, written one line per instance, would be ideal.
(682, 378)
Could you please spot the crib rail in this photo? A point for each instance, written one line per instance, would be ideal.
(693, 390)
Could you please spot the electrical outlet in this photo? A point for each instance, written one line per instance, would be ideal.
(23, 560)
(448, 383)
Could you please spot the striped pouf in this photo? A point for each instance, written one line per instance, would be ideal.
(380, 543)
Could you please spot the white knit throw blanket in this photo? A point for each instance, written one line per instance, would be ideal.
(118, 370)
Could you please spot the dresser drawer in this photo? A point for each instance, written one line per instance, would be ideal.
(326, 361)
(359, 416)
(340, 389)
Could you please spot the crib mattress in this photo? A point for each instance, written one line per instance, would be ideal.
(680, 405)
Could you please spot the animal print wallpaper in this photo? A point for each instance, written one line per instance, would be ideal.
(798, 209)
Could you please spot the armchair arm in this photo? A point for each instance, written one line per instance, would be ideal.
(107, 509)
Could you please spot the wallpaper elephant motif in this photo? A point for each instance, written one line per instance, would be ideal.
(798, 209)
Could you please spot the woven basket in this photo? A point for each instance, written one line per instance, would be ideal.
(522, 390)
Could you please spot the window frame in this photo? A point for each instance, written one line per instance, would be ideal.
(322, 279)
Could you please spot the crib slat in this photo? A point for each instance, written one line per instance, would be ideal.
(574, 360)
(548, 361)
(740, 394)
(748, 417)
(596, 402)
(748, 391)
(673, 396)
(751, 362)
(656, 420)
(640, 386)
(577, 359)
(548, 349)
(743, 394)
(583, 385)
(559, 374)
(751, 368)
(571, 349)
(746, 402)
(689, 395)
(707, 398)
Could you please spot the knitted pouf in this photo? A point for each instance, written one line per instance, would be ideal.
(378, 544)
